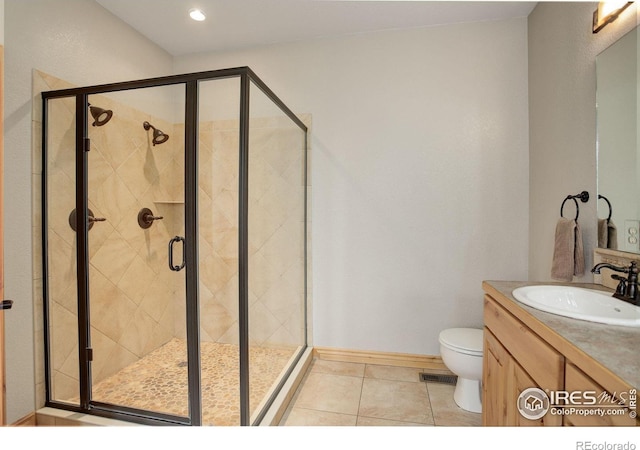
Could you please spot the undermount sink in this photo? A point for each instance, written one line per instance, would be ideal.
(579, 303)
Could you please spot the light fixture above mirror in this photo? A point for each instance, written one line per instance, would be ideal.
(608, 12)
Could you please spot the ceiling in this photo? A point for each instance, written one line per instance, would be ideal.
(236, 24)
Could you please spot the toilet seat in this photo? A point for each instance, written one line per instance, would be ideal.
(467, 341)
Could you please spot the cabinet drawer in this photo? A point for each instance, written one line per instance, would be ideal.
(542, 362)
(577, 380)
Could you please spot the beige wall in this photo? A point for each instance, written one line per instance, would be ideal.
(420, 173)
(1, 22)
(80, 42)
(562, 122)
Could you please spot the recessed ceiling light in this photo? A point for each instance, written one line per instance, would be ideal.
(197, 14)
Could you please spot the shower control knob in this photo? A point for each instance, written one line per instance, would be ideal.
(146, 218)
(91, 219)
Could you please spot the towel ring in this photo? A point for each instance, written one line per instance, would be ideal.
(577, 207)
(608, 204)
(583, 196)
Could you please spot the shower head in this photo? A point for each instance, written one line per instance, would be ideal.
(100, 116)
(158, 136)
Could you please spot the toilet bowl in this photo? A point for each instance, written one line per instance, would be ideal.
(461, 352)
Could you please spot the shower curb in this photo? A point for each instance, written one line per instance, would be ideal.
(274, 415)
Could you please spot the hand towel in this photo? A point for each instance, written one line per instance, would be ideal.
(578, 256)
(603, 233)
(612, 236)
(607, 234)
(568, 251)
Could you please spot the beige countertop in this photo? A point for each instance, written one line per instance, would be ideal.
(615, 347)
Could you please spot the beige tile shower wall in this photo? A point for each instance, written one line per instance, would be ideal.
(218, 230)
(131, 287)
(276, 232)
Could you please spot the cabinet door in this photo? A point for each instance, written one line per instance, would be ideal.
(495, 382)
(503, 382)
(608, 403)
(523, 381)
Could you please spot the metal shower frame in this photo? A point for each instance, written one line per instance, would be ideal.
(191, 81)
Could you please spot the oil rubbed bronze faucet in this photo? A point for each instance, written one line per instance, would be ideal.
(627, 289)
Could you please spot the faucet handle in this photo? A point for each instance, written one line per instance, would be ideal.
(622, 285)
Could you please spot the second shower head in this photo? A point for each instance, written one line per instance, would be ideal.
(158, 136)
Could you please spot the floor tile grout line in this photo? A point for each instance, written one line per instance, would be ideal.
(324, 411)
(394, 420)
(433, 414)
(392, 380)
(360, 396)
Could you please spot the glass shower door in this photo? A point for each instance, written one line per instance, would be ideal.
(137, 301)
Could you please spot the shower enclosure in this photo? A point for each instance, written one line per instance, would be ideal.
(178, 294)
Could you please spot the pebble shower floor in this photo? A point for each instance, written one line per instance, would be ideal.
(158, 382)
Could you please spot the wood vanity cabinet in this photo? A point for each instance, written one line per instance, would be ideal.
(516, 358)
(577, 380)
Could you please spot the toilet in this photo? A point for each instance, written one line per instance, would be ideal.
(461, 351)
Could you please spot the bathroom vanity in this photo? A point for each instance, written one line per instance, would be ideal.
(528, 348)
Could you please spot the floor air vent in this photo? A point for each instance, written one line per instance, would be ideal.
(438, 378)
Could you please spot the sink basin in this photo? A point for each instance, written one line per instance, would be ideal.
(579, 303)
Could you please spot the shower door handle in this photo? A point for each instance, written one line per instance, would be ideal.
(171, 243)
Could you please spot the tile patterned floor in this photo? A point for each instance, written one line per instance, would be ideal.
(331, 393)
(352, 394)
(158, 382)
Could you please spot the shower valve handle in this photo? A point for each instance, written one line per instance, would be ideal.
(91, 219)
(146, 218)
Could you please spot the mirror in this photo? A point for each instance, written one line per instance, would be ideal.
(617, 145)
